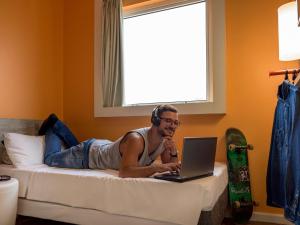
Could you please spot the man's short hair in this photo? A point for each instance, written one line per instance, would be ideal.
(158, 110)
(165, 108)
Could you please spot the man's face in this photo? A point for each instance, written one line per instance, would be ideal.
(168, 124)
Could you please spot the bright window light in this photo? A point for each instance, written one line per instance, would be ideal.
(165, 56)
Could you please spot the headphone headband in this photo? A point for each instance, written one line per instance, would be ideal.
(155, 120)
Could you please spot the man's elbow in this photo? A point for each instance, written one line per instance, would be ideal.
(123, 173)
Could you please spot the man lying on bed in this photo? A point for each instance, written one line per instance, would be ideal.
(133, 154)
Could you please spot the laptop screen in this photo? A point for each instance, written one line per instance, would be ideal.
(198, 156)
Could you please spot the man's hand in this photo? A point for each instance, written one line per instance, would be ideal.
(170, 146)
(167, 167)
(170, 149)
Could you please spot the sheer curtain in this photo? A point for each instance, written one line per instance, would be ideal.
(112, 53)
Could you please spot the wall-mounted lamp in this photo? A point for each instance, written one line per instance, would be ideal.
(289, 35)
(298, 9)
(289, 32)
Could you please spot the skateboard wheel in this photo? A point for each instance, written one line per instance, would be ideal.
(231, 147)
(237, 204)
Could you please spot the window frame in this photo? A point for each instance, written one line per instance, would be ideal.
(216, 103)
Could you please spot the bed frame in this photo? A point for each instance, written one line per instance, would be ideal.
(87, 216)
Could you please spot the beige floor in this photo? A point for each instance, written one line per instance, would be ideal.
(228, 221)
(260, 223)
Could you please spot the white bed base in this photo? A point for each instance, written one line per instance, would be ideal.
(83, 216)
(78, 215)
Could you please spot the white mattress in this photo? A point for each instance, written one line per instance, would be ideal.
(23, 175)
(103, 190)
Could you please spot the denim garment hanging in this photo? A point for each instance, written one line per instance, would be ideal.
(283, 175)
(276, 174)
(292, 185)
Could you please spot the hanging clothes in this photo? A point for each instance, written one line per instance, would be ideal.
(292, 207)
(276, 174)
(283, 175)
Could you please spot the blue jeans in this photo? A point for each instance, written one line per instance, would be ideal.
(292, 208)
(76, 155)
(276, 174)
(283, 178)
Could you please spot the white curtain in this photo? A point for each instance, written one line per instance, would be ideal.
(112, 53)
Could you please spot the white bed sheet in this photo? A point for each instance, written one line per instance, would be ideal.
(23, 175)
(103, 190)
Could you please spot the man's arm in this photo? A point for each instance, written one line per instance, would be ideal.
(131, 147)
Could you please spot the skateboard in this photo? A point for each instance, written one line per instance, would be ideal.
(239, 189)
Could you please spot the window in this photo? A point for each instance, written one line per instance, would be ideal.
(196, 67)
(165, 56)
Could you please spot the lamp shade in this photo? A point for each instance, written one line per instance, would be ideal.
(289, 32)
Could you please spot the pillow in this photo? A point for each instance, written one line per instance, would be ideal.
(24, 150)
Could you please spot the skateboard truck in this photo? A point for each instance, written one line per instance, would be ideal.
(233, 147)
(238, 204)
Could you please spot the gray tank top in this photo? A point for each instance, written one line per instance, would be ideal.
(104, 154)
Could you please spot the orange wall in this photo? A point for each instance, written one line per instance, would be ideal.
(251, 52)
(31, 58)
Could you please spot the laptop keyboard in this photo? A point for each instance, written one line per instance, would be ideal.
(172, 174)
(175, 172)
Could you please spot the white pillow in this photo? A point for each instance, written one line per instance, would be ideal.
(24, 150)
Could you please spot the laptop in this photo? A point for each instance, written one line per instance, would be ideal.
(198, 159)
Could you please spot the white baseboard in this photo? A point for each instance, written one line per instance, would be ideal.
(270, 218)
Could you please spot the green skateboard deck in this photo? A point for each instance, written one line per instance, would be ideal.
(239, 189)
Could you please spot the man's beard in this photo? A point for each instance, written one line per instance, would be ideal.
(164, 133)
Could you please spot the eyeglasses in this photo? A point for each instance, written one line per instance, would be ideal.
(170, 121)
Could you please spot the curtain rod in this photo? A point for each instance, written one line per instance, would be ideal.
(284, 72)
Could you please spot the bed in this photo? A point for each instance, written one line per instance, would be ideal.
(90, 196)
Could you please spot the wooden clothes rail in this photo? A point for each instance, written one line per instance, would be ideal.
(285, 72)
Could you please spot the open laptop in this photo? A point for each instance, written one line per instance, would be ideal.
(198, 159)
